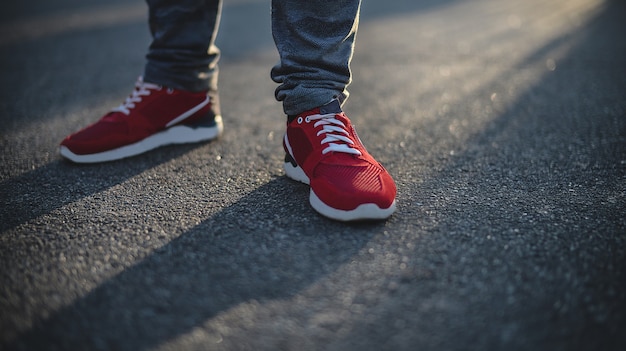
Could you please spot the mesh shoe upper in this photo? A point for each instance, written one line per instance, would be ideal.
(342, 174)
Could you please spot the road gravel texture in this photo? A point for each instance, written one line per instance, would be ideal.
(503, 123)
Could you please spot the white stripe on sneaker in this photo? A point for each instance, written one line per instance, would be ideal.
(188, 113)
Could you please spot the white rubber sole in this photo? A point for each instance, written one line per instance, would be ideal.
(181, 134)
(362, 212)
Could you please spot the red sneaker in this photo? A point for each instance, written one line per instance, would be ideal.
(151, 116)
(347, 183)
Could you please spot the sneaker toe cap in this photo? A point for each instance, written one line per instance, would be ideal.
(347, 193)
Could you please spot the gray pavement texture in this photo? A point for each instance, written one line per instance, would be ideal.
(503, 123)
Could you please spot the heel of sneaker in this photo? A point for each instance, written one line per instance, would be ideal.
(201, 130)
(190, 133)
(293, 171)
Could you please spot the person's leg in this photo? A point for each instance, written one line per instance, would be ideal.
(315, 41)
(183, 54)
(176, 101)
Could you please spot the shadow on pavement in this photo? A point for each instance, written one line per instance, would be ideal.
(230, 259)
(59, 183)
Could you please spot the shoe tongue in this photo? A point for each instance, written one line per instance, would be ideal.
(331, 107)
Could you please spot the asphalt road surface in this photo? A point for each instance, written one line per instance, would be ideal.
(503, 123)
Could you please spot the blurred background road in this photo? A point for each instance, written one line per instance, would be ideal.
(503, 123)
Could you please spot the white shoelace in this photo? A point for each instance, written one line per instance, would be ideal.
(142, 89)
(337, 137)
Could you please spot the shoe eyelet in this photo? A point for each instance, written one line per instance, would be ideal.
(170, 90)
(299, 120)
(307, 120)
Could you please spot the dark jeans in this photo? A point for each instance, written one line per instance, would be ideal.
(314, 38)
